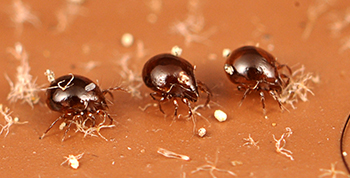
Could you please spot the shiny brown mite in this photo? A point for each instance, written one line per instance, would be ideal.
(76, 97)
(172, 78)
(254, 69)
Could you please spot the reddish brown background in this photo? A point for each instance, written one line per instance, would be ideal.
(131, 151)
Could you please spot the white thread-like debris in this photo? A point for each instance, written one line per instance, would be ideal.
(66, 15)
(21, 13)
(132, 78)
(332, 172)
(250, 142)
(170, 154)
(211, 167)
(24, 88)
(313, 13)
(91, 130)
(5, 112)
(191, 28)
(280, 147)
(298, 87)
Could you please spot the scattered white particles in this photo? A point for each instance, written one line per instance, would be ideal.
(73, 161)
(220, 115)
(176, 51)
(201, 132)
(226, 52)
(127, 40)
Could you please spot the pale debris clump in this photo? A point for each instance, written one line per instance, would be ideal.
(73, 161)
(220, 115)
(176, 51)
(5, 112)
(170, 154)
(24, 88)
(298, 87)
(191, 28)
(133, 79)
(66, 15)
(313, 13)
(280, 147)
(90, 130)
(202, 131)
(340, 24)
(156, 7)
(211, 167)
(21, 14)
(236, 163)
(250, 142)
(332, 172)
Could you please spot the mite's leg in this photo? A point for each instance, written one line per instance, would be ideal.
(162, 99)
(205, 89)
(52, 124)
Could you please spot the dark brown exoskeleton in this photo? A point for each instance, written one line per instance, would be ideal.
(76, 97)
(172, 78)
(254, 69)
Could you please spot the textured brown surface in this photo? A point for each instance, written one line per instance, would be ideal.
(132, 147)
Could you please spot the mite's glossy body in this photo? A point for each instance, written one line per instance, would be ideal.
(76, 96)
(254, 69)
(172, 78)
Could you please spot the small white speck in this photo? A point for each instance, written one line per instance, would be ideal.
(127, 39)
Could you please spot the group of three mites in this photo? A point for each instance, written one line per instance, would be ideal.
(172, 79)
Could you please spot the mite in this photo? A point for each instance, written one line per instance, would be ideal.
(172, 78)
(254, 69)
(76, 97)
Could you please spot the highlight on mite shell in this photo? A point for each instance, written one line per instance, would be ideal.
(77, 98)
(254, 69)
(172, 79)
